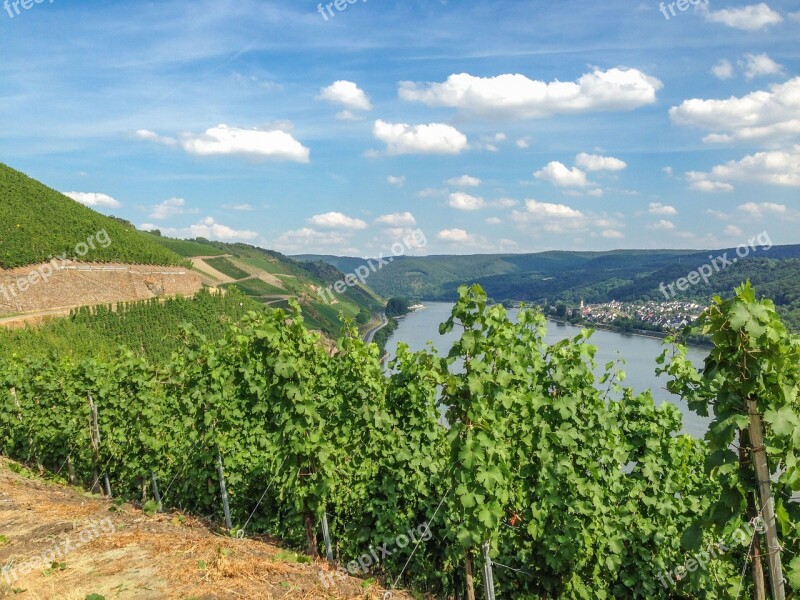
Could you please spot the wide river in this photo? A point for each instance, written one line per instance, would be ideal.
(639, 353)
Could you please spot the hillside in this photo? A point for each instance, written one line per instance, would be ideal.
(595, 277)
(271, 278)
(37, 222)
(115, 550)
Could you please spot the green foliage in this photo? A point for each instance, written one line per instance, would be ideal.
(584, 493)
(397, 307)
(226, 267)
(37, 223)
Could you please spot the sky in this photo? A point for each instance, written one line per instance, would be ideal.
(491, 126)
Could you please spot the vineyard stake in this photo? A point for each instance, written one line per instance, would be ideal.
(326, 532)
(224, 491)
(469, 570)
(767, 503)
(156, 493)
(488, 576)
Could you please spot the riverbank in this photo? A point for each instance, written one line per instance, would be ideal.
(647, 333)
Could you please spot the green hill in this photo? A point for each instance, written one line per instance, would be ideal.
(271, 278)
(37, 222)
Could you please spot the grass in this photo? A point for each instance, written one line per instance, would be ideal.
(258, 288)
(187, 248)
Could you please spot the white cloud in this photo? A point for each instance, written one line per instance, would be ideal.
(760, 209)
(718, 214)
(239, 207)
(780, 167)
(546, 210)
(794, 16)
(272, 144)
(434, 138)
(347, 94)
(748, 18)
(758, 65)
(462, 201)
(656, 208)
(523, 143)
(494, 221)
(733, 230)
(170, 208)
(558, 174)
(337, 220)
(762, 115)
(704, 185)
(397, 181)
(668, 171)
(404, 219)
(505, 203)
(464, 181)
(723, 69)
(454, 235)
(612, 234)
(662, 225)
(518, 97)
(595, 162)
(93, 199)
(207, 228)
(307, 239)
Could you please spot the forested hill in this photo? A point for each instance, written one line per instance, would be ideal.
(37, 222)
(625, 275)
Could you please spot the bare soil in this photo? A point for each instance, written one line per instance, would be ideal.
(61, 543)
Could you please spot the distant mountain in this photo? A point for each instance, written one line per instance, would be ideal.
(625, 275)
(37, 222)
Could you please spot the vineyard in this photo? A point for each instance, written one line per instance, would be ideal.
(574, 487)
(37, 223)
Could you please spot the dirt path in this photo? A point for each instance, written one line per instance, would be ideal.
(58, 543)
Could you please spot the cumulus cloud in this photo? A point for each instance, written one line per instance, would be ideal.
(733, 230)
(494, 221)
(464, 181)
(518, 97)
(558, 174)
(94, 199)
(396, 181)
(337, 220)
(547, 210)
(760, 209)
(595, 162)
(307, 239)
(462, 201)
(723, 69)
(454, 235)
(762, 115)
(523, 143)
(656, 208)
(747, 18)
(758, 65)
(170, 208)
(776, 168)
(433, 138)
(239, 207)
(207, 228)
(346, 94)
(404, 219)
(662, 225)
(269, 144)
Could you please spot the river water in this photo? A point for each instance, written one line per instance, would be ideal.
(639, 353)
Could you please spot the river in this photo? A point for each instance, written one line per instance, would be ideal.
(638, 352)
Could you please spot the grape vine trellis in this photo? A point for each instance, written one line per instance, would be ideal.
(578, 492)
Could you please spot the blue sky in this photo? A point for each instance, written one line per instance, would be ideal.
(490, 126)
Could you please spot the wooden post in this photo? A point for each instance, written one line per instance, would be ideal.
(326, 533)
(226, 507)
(469, 570)
(156, 493)
(759, 583)
(767, 504)
(488, 575)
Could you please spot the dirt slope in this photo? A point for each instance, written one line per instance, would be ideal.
(60, 543)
